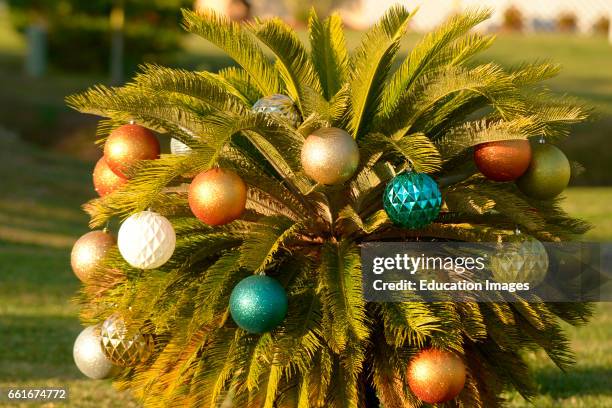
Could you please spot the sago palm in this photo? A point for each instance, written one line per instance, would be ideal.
(424, 111)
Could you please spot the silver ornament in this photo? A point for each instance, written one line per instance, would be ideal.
(146, 240)
(279, 106)
(525, 261)
(89, 357)
(330, 156)
(122, 346)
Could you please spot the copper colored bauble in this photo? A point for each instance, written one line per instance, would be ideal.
(123, 346)
(436, 376)
(505, 160)
(330, 156)
(217, 196)
(129, 144)
(105, 180)
(548, 174)
(88, 251)
(89, 357)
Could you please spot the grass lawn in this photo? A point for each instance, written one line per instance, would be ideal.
(40, 218)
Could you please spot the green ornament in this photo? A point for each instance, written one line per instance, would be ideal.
(548, 174)
(258, 304)
(412, 200)
(280, 106)
(525, 261)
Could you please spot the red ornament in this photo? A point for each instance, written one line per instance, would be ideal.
(105, 180)
(505, 160)
(217, 196)
(129, 144)
(436, 376)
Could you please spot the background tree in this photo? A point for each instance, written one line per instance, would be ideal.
(80, 32)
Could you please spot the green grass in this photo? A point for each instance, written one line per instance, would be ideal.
(40, 218)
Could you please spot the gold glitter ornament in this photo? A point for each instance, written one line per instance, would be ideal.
(330, 156)
(525, 261)
(88, 251)
(122, 346)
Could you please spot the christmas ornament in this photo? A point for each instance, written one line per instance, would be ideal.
(548, 174)
(89, 357)
(129, 144)
(217, 196)
(279, 106)
(122, 346)
(505, 160)
(412, 200)
(258, 304)
(88, 251)
(179, 148)
(146, 240)
(525, 261)
(436, 376)
(330, 156)
(105, 180)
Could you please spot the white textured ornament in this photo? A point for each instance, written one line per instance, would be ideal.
(89, 356)
(179, 148)
(146, 240)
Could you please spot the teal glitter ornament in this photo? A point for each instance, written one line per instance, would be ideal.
(258, 304)
(412, 200)
(280, 106)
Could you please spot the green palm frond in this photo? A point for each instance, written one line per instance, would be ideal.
(242, 48)
(370, 65)
(328, 52)
(422, 59)
(293, 63)
(453, 90)
(127, 104)
(463, 49)
(211, 89)
(340, 274)
(416, 149)
(243, 83)
(265, 240)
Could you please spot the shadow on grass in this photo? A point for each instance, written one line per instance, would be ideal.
(578, 381)
(35, 348)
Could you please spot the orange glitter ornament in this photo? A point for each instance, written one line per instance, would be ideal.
(105, 180)
(217, 196)
(436, 376)
(129, 144)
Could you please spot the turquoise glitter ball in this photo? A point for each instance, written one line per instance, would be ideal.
(412, 200)
(258, 304)
(279, 106)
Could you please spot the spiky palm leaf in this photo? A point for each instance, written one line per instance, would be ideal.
(427, 114)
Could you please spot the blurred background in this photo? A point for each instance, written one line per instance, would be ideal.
(50, 49)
